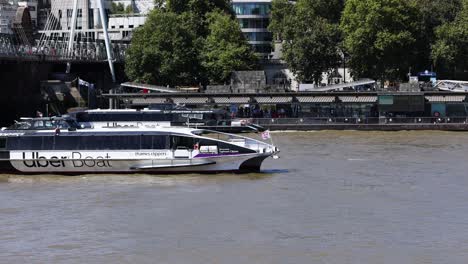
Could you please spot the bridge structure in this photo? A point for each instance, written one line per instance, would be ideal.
(67, 37)
(57, 51)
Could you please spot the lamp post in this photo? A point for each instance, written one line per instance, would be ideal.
(343, 57)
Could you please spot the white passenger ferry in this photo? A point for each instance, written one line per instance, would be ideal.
(60, 146)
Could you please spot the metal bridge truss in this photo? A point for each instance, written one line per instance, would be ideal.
(63, 40)
(57, 50)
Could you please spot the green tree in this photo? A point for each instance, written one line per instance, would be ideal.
(225, 48)
(177, 48)
(450, 51)
(310, 37)
(120, 8)
(432, 14)
(199, 7)
(195, 11)
(163, 52)
(282, 15)
(129, 9)
(328, 9)
(380, 37)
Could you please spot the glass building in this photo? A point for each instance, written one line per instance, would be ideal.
(254, 18)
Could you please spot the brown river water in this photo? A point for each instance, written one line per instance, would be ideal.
(332, 197)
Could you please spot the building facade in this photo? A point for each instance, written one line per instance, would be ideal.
(254, 18)
(32, 6)
(7, 16)
(88, 23)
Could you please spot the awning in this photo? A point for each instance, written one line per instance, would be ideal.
(231, 100)
(316, 99)
(445, 98)
(190, 100)
(273, 100)
(150, 87)
(358, 99)
(148, 101)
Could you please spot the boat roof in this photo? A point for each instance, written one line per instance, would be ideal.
(145, 110)
(167, 129)
(111, 130)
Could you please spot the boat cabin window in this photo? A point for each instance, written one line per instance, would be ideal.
(178, 142)
(43, 124)
(154, 142)
(89, 142)
(26, 143)
(3, 143)
(20, 126)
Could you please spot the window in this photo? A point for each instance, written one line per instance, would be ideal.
(262, 48)
(259, 36)
(91, 18)
(66, 143)
(90, 142)
(2, 143)
(177, 142)
(153, 142)
(25, 143)
(252, 8)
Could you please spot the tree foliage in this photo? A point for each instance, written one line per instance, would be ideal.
(120, 8)
(163, 51)
(225, 48)
(309, 35)
(328, 9)
(432, 14)
(380, 37)
(450, 51)
(188, 43)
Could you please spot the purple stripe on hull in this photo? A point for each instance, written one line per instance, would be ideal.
(216, 155)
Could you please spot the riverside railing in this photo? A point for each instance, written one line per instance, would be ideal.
(357, 120)
(59, 52)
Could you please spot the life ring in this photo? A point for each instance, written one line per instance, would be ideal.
(436, 114)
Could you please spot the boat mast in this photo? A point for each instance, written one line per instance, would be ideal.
(72, 34)
(110, 58)
(102, 15)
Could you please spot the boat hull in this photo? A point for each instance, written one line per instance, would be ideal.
(47, 164)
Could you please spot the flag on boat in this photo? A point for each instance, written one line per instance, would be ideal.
(266, 134)
(85, 83)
